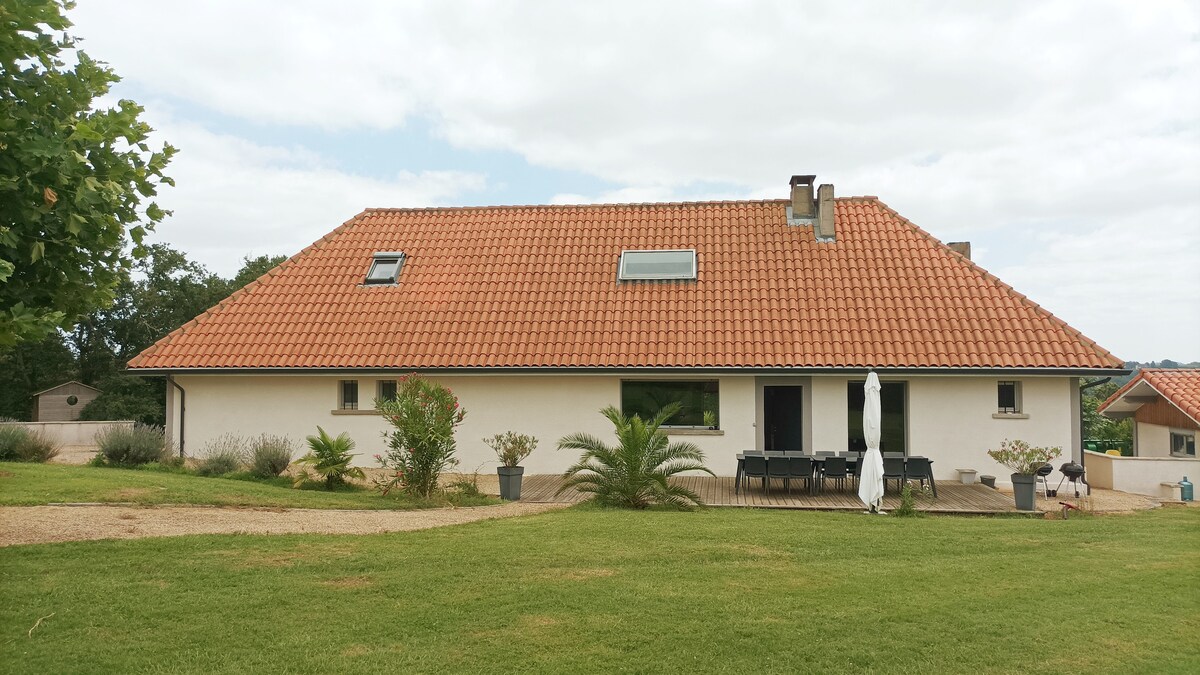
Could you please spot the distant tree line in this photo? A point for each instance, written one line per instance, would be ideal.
(164, 291)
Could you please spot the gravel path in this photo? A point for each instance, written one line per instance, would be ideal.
(44, 524)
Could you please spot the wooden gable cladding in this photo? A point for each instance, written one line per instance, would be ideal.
(1163, 413)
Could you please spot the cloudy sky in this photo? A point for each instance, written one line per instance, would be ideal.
(1061, 138)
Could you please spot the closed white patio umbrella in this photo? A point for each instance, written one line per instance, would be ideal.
(870, 482)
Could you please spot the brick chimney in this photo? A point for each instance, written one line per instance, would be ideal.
(962, 248)
(825, 229)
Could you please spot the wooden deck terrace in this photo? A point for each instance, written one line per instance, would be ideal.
(953, 497)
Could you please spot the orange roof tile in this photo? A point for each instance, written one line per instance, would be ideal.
(536, 286)
(1180, 386)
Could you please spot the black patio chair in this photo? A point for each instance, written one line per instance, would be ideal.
(835, 470)
(893, 469)
(777, 467)
(754, 466)
(801, 468)
(918, 468)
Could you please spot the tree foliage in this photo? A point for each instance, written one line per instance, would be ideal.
(72, 176)
(163, 291)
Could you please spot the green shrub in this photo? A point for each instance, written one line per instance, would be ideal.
(329, 460)
(11, 439)
(19, 444)
(422, 446)
(130, 446)
(634, 473)
(270, 455)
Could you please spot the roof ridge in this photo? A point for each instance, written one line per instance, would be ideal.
(1021, 297)
(514, 207)
(148, 352)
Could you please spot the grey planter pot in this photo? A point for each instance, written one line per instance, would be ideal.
(1024, 490)
(510, 482)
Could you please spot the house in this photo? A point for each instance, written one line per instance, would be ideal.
(62, 403)
(762, 317)
(1165, 407)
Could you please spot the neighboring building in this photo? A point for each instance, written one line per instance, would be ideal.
(62, 403)
(765, 314)
(1165, 407)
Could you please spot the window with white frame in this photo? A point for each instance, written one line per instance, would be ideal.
(699, 401)
(657, 265)
(1008, 397)
(385, 390)
(348, 395)
(1183, 443)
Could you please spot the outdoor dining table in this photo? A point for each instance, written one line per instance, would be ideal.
(852, 460)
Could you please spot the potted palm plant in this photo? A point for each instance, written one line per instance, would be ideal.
(511, 449)
(1024, 461)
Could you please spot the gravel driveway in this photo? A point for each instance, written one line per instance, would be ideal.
(44, 524)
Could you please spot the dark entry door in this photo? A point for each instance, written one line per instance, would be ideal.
(782, 417)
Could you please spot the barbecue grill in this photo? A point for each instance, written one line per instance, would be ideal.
(1040, 477)
(1074, 473)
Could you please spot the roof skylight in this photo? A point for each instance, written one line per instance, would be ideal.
(663, 264)
(385, 268)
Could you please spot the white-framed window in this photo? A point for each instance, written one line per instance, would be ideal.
(348, 394)
(385, 390)
(657, 265)
(1008, 397)
(385, 268)
(1183, 443)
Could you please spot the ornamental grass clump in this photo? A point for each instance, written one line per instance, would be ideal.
(1021, 458)
(634, 473)
(132, 446)
(422, 445)
(327, 461)
(224, 454)
(511, 448)
(270, 455)
(18, 444)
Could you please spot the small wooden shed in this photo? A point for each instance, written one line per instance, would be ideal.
(63, 402)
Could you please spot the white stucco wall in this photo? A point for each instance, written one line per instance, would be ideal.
(1153, 440)
(1141, 475)
(72, 433)
(953, 421)
(546, 406)
(950, 419)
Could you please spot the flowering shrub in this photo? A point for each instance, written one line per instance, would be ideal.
(422, 446)
(1021, 458)
(511, 448)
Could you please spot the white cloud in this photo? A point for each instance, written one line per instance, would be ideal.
(1072, 120)
(235, 198)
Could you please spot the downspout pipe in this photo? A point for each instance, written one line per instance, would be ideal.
(1082, 388)
(182, 409)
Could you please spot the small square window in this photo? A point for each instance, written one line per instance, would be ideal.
(386, 390)
(652, 265)
(1008, 397)
(348, 395)
(1183, 444)
(385, 268)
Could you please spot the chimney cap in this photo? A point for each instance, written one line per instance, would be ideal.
(803, 180)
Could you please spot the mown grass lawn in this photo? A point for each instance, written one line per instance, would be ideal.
(596, 591)
(31, 484)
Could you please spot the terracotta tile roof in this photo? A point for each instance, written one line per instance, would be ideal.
(536, 286)
(1180, 386)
